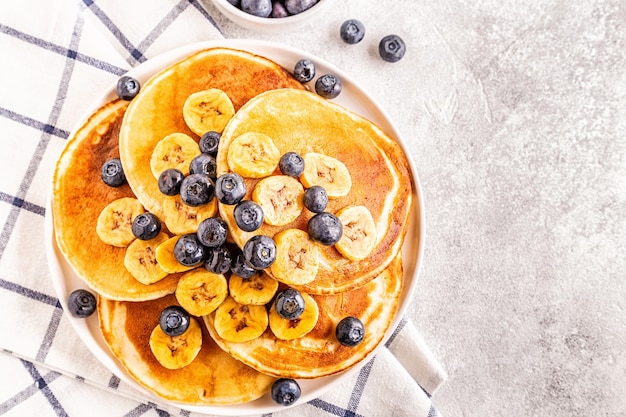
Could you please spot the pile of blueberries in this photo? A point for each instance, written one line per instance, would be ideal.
(273, 8)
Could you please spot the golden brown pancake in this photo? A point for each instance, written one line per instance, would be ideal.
(302, 122)
(319, 353)
(157, 110)
(214, 377)
(79, 197)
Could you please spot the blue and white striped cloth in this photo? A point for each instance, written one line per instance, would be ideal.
(57, 56)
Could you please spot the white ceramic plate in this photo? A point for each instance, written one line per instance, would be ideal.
(354, 98)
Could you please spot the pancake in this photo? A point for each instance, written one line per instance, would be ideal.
(157, 111)
(303, 122)
(318, 353)
(79, 195)
(213, 378)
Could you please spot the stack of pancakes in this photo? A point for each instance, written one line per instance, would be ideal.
(269, 100)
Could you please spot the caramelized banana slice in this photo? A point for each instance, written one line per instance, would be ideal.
(280, 197)
(359, 232)
(208, 110)
(235, 322)
(200, 292)
(297, 259)
(327, 172)
(175, 352)
(116, 219)
(140, 260)
(286, 329)
(256, 290)
(181, 218)
(253, 155)
(175, 150)
(165, 257)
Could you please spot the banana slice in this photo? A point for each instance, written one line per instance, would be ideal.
(208, 110)
(256, 290)
(200, 292)
(297, 257)
(175, 150)
(359, 233)
(328, 172)
(286, 329)
(116, 219)
(175, 352)
(280, 197)
(181, 218)
(165, 257)
(253, 155)
(140, 260)
(235, 322)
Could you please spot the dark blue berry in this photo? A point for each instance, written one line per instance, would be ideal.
(81, 303)
(112, 173)
(328, 86)
(289, 304)
(196, 190)
(240, 267)
(260, 251)
(325, 228)
(261, 8)
(315, 198)
(298, 6)
(352, 31)
(285, 391)
(210, 142)
(146, 226)
(350, 331)
(204, 164)
(212, 232)
(174, 320)
(127, 87)
(278, 10)
(304, 71)
(189, 251)
(170, 181)
(291, 164)
(230, 188)
(248, 215)
(391, 48)
(217, 260)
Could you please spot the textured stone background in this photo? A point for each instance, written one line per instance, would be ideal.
(516, 117)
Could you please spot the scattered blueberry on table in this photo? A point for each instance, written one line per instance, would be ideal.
(352, 31)
(391, 48)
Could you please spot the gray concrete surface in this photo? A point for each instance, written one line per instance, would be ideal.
(515, 114)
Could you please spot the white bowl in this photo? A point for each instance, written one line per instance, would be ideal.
(269, 24)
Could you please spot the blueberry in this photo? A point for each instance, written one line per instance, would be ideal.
(209, 142)
(285, 391)
(146, 226)
(278, 10)
(260, 251)
(240, 267)
(174, 320)
(230, 188)
(298, 6)
(81, 303)
(350, 331)
(189, 251)
(291, 164)
(248, 215)
(315, 198)
(217, 260)
(289, 304)
(261, 8)
(352, 31)
(328, 86)
(170, 181)
(391, 48)
(197, 189)
(127, 87)
(304, 71)
(112, 173)
(204, 164)
(325, 228)
(212, 232)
